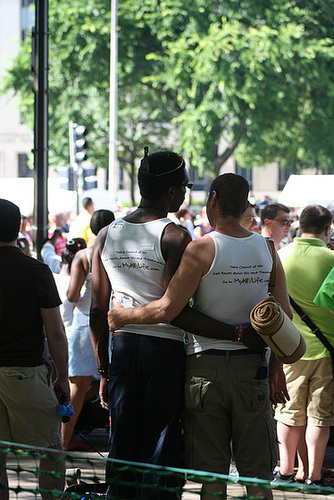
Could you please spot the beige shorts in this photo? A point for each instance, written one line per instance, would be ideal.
(28, 407)
(311, 389)
(227, 399)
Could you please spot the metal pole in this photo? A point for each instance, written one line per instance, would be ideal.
(40, 69)
(113, 161)
(73, 163)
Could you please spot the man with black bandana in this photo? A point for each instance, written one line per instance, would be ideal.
(134, 259)
(227, 388)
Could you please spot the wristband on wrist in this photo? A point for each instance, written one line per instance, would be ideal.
(103, 372)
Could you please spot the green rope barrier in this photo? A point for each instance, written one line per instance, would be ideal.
(85, 477)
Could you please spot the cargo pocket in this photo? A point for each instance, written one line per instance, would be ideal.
(254, 393)
(199, 391)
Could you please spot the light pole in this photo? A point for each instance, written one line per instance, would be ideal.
(41, 136)
(113, 160)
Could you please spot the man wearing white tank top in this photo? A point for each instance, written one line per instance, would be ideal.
(227, 390)
(134, 260)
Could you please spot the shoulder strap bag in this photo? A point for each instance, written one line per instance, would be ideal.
(314, 329)
(274, 326)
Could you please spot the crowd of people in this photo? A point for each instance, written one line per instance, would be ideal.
(185, 386)
(72, 272)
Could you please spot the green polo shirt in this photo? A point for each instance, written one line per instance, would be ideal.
(325, 295)
(307, 262)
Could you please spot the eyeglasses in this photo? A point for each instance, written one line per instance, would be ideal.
(284, 222)
(189, 184)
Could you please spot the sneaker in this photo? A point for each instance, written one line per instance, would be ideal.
(283, 478)
(312, 482)
(233, 471)
(314, 485)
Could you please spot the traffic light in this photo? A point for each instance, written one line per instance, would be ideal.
(80, 143)
(89, 178)
(66, 175)
(84, 177)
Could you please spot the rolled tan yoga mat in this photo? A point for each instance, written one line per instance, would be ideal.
(278, 331)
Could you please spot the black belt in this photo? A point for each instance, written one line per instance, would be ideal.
(124, 334)
(234, 352)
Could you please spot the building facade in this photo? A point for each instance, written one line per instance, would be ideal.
(16, 140)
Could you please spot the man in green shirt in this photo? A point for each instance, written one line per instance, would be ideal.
(306, 262)
(325, 295)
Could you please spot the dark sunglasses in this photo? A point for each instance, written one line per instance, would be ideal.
(284, 222)
(189, 184)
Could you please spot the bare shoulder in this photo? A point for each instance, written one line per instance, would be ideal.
(174, 231)
(100, 239)
(80, 255)
(204, 245)
(175, 236)
(78, 264)
(201, 252)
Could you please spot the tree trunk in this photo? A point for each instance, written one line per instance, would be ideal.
(133, 178)
(219, 160)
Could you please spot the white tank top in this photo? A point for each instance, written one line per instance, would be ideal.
(66, 308)
(135, 266)
(236, 281)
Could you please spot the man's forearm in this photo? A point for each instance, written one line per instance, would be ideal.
(277, 382)
(99, 333)
(151, 313)
(200, 324)
(58, 348)
(188, 319)
(57, 341)
(50, 257)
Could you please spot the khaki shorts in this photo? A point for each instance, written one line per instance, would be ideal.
(227, 398)
(311, 387)
(28, 407)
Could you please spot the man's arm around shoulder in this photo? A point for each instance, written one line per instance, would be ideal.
(194, 263)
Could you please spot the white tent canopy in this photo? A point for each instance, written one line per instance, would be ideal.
(303, 190)
(21, 192)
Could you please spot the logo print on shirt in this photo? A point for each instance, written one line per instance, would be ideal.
(134, 265)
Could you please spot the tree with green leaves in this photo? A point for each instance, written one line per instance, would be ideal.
(210, 79)
(255, 80)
